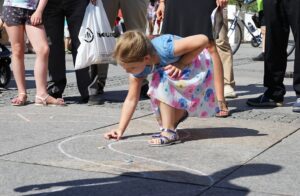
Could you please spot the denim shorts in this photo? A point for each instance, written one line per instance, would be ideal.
(16, 16)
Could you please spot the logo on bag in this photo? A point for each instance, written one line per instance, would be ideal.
(106, 34)
(89, 35)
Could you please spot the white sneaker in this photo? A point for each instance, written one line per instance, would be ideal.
(229, 92)
(296, 106)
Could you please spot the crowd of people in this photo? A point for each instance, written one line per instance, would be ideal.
(191, 60)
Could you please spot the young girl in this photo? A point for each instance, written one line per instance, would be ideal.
(182, 80)
(22, 16)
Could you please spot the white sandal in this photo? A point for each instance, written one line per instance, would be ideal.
(43, 101)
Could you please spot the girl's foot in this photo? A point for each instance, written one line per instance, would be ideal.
(49, 101)
(167, 137)
(20, 100)
(224, 112)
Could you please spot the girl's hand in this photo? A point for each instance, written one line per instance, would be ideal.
(160, 11)
(115, 134)
(36, 18)
(94, 2)
(222, 3)
(173, 71)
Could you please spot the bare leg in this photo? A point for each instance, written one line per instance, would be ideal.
(218, 79)
(16, 37)
(169, 117)
(38, 39)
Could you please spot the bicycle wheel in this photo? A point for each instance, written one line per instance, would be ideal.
(5, 72)
(234, 35)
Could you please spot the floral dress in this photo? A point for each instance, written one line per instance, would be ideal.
(193, 91)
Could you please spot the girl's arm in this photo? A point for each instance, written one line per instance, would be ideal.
(128, 108)
(188, 48)
(36, 17)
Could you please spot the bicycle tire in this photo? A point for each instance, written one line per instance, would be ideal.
(5, 72)
(234, 36)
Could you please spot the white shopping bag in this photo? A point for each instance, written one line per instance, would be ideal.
(157, 27)
(96, 38)
(217, 21)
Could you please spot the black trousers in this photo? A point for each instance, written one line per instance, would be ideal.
(54, 14)
(280, 16)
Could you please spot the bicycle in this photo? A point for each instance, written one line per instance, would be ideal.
(235, 32)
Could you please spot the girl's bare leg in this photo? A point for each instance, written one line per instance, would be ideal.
(16, 37)
(169, 118)
(38, 39)
(218, 71)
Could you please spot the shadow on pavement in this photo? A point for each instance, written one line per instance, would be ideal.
(147, 183)
(223, 132)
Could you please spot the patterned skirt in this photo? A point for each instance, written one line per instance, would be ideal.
(193, 91)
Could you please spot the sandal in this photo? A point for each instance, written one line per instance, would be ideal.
(20, 100)
(183, 118)
(167, 137)
(46, 101)
(224, 112)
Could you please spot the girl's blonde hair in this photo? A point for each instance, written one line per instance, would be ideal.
(133, 46)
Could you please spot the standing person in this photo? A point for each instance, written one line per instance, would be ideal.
(179, 18)
(54, 15)
(280, 15)
(135, 18)
(181, 86)
(225, 53)
(151, 15)
(67, 38)
(261, 22)
(20, 17)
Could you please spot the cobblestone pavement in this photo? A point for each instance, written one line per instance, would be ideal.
(120, 81)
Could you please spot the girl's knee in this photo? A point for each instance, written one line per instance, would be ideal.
(42, 51)
(18, 50)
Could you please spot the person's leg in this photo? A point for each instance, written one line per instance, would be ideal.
(225, 53)
(16, 38)
(37, 36)
(293, 13)
(135, 14)
(38, 39)
(111, 8)
(135, 18)
(170, 117)
(74, 10)
(218, 80)
(277, 33)
(53, 19)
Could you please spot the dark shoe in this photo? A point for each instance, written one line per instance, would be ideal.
(260, 57)
(264, 101)
(144, 91)
(95, 100)
(296, 106)
(55, 95)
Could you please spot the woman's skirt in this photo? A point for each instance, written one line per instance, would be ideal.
(193, 91)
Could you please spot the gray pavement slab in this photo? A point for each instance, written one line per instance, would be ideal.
(24, 127)
(285, 159)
